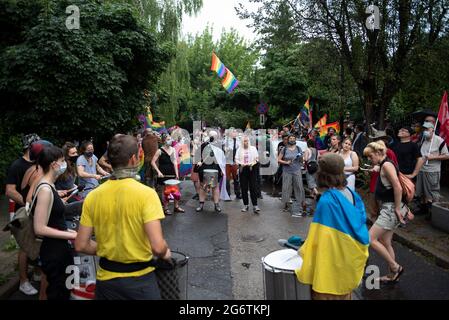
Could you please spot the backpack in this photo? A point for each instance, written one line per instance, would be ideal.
(312, 165)
(408, 187)
(22, 227)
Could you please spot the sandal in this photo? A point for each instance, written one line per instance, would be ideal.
(397, 274)
(167, 212)
(179, 209)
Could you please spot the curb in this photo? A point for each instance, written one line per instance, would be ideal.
(441, 261)
(7, 289)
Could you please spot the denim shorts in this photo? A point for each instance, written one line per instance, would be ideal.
(387, 218)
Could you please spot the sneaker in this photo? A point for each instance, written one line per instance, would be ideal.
(245, 208)
(27, 289)
(217, 208)
(297, 215)
(199, 209)
(256, 209)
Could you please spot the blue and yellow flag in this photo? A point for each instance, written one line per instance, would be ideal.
(336, 250)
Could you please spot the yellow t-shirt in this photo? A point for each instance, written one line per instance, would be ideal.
(117, 210)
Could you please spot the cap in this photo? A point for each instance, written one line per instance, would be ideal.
(29, 139)
(331, 163)
(379, 134)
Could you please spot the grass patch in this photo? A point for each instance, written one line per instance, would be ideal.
(10, 245)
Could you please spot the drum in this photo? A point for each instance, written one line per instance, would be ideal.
(210, 177)
(88, 266)
(280, 282)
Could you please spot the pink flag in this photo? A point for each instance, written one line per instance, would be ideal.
(443, 118)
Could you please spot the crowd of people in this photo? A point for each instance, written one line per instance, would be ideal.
(124, 211)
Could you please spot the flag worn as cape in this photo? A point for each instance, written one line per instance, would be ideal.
(336, 248)
(221, 159)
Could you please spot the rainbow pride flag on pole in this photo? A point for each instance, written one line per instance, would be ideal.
(147, 122)
(322, 122)
(309, 111)
(217, 65)
(336, 249)
(230, 82)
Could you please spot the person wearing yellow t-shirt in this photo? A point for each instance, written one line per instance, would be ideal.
(125, 217)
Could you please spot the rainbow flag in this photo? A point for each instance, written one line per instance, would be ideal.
(336, 249)
(322, 122)
(335, 125)
(309, 111)
(184, 160)
(147, 122)
(217, 65)
(229, 82)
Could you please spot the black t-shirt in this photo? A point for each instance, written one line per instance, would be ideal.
(407, 154)
(16, 173)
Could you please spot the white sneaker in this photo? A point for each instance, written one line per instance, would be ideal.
(245, 208)
(256, 209)
(27, 289)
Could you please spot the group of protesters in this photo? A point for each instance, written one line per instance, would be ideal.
(330, 169)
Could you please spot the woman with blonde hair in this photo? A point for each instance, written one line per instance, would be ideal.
(388, 193)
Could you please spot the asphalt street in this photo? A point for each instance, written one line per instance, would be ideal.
(225, 252)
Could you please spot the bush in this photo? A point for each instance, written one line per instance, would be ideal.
(10, 149)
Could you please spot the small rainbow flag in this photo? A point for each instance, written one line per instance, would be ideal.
(217, 65)
(229, 82)
(322, 122)
(307, 106)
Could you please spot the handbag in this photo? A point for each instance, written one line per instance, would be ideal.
(22, 227)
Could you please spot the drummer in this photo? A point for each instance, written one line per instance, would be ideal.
(165, 164)
(209, 156)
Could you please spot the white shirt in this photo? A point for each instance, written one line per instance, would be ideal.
(252, 155)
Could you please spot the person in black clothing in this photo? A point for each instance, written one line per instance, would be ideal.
(407, 152)
(167, 169)
(49, 223)
(14, 179)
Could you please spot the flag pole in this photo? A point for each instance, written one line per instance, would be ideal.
(431, 142)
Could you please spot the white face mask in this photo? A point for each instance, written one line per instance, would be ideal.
(62, 168)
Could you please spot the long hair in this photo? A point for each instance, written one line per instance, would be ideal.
(71, 167)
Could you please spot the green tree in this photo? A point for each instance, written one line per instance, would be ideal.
(81, 83)
(376, 59)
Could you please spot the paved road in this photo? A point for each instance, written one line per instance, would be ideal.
(225, 252)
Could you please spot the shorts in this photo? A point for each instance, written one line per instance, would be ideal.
(387, 218)
(428, 185)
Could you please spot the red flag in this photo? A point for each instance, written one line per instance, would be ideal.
(443, 118)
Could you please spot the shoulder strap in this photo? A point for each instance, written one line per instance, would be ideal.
(39, 188)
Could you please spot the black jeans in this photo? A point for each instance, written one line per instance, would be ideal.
(131, 288)
(248, 180)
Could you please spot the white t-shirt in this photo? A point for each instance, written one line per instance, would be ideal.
(433, 165)
(245, 156)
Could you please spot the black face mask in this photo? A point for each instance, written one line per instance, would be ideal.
(73, 159)
(292, 143)
(88, 154)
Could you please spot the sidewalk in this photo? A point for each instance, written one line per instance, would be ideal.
(420, 236)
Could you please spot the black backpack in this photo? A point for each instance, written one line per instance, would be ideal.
(312, 164)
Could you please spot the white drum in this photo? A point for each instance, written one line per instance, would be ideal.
(280, 282)
(210, 177)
